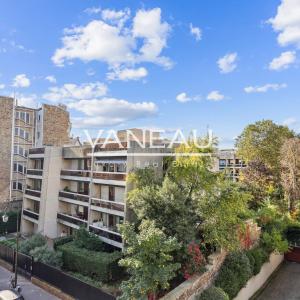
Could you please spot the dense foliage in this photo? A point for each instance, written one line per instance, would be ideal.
(37, 240)
(148, 260)
(213, 293)
(87, 240)
(47, 256)
(234, 273)
(62, 240)
(101, 266)
(11, 225)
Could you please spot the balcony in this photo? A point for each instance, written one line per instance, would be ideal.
(35, 172)
(35, 151)
(33, 193)
(110, 176)
(111, 207)
(74, 196)
(76, 220)
(31, 214)
(106, 234)
(76, 174)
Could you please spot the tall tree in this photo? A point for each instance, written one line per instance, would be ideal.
(148, 260)
(262, 141)
(290, 171)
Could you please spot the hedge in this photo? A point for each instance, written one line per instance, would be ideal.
(234, 273)
(100, 266)
(257, 257)
(62, 240)
(213, 293)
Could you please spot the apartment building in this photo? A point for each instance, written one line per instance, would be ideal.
(228, 162)
(21, 129)
(69, 187)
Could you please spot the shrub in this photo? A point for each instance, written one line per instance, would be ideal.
(62, 240)
(47, 256)
(274, 241)
(37, 240)
(100, 266)
(257, 257)
(234, 273)
(213, 293)
(87, 240)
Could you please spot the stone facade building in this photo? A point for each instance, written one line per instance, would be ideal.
(22, 128)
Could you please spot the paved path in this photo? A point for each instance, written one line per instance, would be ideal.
(285, 285)
(29, 290)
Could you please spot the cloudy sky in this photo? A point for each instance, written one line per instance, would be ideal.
(158, 64)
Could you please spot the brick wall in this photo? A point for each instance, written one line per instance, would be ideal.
(56, 127)
(6, 116)
(196, 284)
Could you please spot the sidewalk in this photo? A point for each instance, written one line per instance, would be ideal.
(29, 290)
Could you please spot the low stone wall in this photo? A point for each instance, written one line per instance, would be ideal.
(256, 282)
(197, 283)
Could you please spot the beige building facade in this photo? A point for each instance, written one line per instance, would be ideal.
(21, 129)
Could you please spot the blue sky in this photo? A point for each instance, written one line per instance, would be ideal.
(158, 64)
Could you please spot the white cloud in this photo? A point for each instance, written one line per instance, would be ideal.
(21, 80)
(2, 86)
(265, 88)
(102, 40)
(93, 10)
(215, 96)
(283, 61)
(287, 23)
(90, 72)
(127, 74)
(290, 121)
(51, 79)
(118, 17)
(196, 32)
(71, 91)
(110, 111)
(27, 100)
(183, 97)
(227, 63)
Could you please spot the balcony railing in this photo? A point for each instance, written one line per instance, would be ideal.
(108, 204)
(74, 196)
(35, 172)
(30, 214)
(77, 220)
(33, 193)
(77, 173)
(103, 233)
(109, 176)
(37, 151)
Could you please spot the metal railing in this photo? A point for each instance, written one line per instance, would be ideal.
(108, 204)
(71, 219)
(74, 196)
(34, 193)
(35, 172)
(103, 233)
(36, 151)
(31, 214)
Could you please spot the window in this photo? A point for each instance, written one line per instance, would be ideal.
(20, 168)
(18, 150)
(24, 116)
(17, 186)
(21, 133)
(111, 193)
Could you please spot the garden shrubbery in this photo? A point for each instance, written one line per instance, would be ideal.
(213, 293)
(234, 273)
(62, 240)
(87, 240)
(257, 257)
(101, 266)
(47, 256)
(37, 240)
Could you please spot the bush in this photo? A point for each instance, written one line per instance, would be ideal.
(37, 240)
(234, 273)
(47, 256)
(257, 258)
(213, 293)
(62, 240)
(100, 266)
(274, 241)
(87, 240)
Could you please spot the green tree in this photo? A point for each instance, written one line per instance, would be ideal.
(148, 260)
(262, 141)
(222, 211)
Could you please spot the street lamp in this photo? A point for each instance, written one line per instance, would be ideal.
(5, 220)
